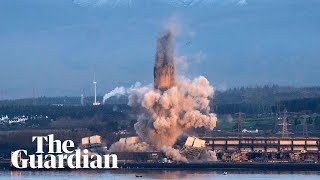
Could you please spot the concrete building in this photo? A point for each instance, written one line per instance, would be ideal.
(263, 144)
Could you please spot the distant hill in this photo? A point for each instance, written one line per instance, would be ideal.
(252, 100)
(262, 99)
(267, 95)
(43, 101)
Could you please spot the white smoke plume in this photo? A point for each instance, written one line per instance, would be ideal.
(168, 114)
(120, 91)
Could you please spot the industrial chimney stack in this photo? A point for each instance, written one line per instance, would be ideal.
(164, 68)
(95, 102)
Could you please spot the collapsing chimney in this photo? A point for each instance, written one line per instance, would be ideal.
(164, 68)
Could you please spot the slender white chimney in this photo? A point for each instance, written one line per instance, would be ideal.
(95, 103)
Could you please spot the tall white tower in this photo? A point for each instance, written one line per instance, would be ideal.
(95, 102)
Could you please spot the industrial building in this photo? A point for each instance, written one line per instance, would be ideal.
(91, 142)
(265, 149)
(140, 157)
(264, 144)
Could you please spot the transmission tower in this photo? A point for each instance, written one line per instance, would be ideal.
(240, 114)
(305, 124)
(284, 124)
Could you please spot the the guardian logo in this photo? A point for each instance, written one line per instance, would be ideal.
(60, 156)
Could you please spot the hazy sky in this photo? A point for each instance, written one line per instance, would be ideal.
(54, 46)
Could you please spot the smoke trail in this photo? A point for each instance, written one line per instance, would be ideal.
(164, 68)
(167, 115)
(164, 55)
(169, 109)
(120, 91)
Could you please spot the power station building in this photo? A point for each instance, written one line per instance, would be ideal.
(263, 144)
